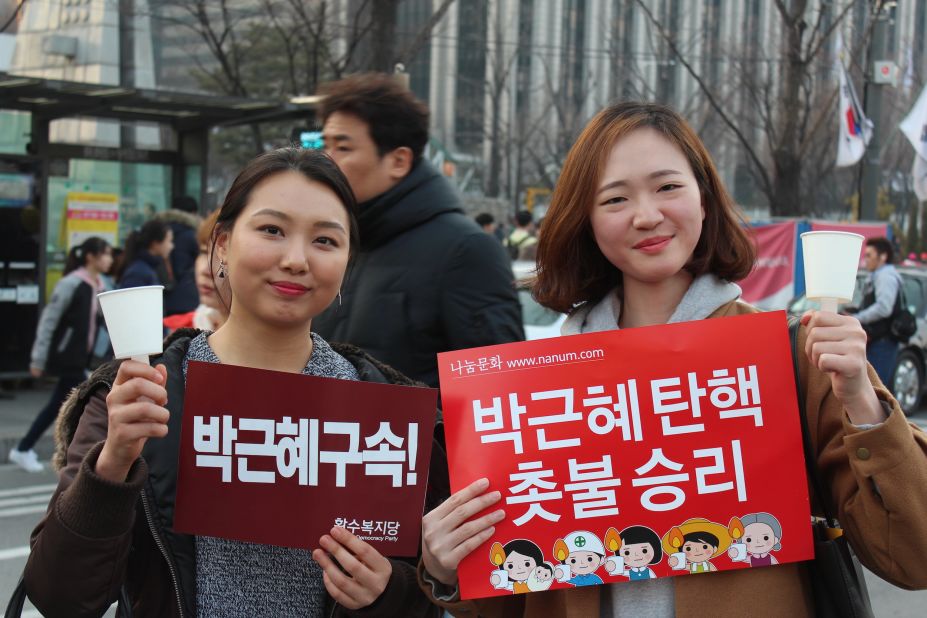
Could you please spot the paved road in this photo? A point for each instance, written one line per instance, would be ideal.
(23, 499)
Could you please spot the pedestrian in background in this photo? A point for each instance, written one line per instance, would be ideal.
(523, 236)
(147, 251)
(426, 279)
(213, 309)
(880, 295)
(184, 222)
(487, 222)
(64, 340)
(642, 232)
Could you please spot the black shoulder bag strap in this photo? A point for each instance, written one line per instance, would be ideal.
(836, 576)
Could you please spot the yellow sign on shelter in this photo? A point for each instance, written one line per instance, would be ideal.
(91, 214)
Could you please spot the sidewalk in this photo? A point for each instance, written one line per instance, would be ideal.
(17, 414)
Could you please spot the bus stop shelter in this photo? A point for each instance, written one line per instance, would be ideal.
(38, 183)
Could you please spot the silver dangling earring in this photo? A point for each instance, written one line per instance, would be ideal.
(222, 271)
(339, 298)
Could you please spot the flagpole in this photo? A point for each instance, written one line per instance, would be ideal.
(872, 169)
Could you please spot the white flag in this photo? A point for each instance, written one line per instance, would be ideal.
(855, 128)
(914, 126)
(919, 173)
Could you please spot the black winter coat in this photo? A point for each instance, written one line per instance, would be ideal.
(426, 280)
(183, 297)
(143, 270)
(98, 535)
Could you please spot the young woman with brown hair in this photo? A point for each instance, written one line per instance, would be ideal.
(283, 239)
(641, 232)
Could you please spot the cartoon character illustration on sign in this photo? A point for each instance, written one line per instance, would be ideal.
(515, 563)
(542, 578)
(761, 535)
(580, 553)
(636, 549)
(694, 543)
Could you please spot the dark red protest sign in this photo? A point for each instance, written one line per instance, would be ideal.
(280, 458)
(632, 454)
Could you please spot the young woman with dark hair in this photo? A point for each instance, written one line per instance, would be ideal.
(640, 232)
(282, 240)
(65, 337)
(147, 252)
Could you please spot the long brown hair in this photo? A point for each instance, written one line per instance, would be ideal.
(571, 268)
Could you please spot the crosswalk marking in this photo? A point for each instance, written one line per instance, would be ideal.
(14, 552)
(23, 500)
(25, 491)
(24, 510)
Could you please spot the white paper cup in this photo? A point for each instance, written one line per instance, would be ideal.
(503, 579)
(562, 573)
(738, 552)
(831, 261)
(680, 561)
(134, 318)
(615, 565)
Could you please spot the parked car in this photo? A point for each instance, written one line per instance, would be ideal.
(908, 383)
(540, 322)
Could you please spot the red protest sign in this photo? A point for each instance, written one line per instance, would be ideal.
(280, 458)
(632, 454)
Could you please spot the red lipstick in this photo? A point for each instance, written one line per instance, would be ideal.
(654, 244)
(289, 288)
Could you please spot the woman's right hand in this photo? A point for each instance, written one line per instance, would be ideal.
(136, 412)
(448, 535)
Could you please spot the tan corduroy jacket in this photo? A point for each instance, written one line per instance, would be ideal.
(888, 529)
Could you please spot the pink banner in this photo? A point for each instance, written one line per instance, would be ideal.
(869, 230)
(771, 284)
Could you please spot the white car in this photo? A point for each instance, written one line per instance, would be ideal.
(540, 322)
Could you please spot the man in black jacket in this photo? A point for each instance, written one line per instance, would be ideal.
(426, 279)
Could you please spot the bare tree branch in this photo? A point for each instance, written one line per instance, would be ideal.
(423, 36)
(747, 145)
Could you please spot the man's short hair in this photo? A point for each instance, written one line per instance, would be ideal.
(883, 246)
(523, 218)
(484, 218)
(394, 116)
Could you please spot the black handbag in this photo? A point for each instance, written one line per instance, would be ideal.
(836, 576)
(903, 324)
(14, 609)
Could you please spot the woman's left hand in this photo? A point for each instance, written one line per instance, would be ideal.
(836, 345)
(364, 571)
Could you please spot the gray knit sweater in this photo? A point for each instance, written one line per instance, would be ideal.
(234, 578)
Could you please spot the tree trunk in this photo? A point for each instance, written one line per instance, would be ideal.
(383, 40)
(258, 138)
(923, 244)
(495, 155)
(912, 238)
(786, 200)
